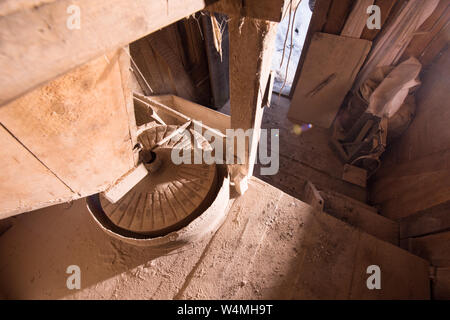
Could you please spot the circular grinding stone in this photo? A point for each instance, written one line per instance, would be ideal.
(167, 199)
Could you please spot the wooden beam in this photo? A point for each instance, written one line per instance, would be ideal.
(252, 43)
(37, 46)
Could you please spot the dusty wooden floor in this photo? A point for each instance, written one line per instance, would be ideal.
(272, 246)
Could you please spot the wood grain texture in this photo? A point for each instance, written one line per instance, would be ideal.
(325, 79)
(433, 220)
(78, 125)
(252, 43)
(28, 33)
(429, 33)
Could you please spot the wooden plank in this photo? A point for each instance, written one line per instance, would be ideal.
(318, 20)
(357, 19)
(434, 248)
(25, 182)
(386, 8)
(433, 220)
(78, 125)
(325, 79)
(337, 15)
(29, 32)
(252, 43)
(357, 215)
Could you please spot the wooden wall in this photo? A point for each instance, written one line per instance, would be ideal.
(173, 60)
(415, 174)
(413, 184)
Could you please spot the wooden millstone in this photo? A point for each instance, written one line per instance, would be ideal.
(164, 200)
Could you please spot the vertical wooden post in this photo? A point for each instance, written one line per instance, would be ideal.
(252, 43)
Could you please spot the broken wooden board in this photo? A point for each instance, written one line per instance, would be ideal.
(331, 65)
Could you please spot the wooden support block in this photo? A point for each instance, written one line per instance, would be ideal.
(313, 196)
(355, 175)
(32, 28)
(326, 79)
(251, 46)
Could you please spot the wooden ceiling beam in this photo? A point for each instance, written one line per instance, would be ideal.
(37, 43)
